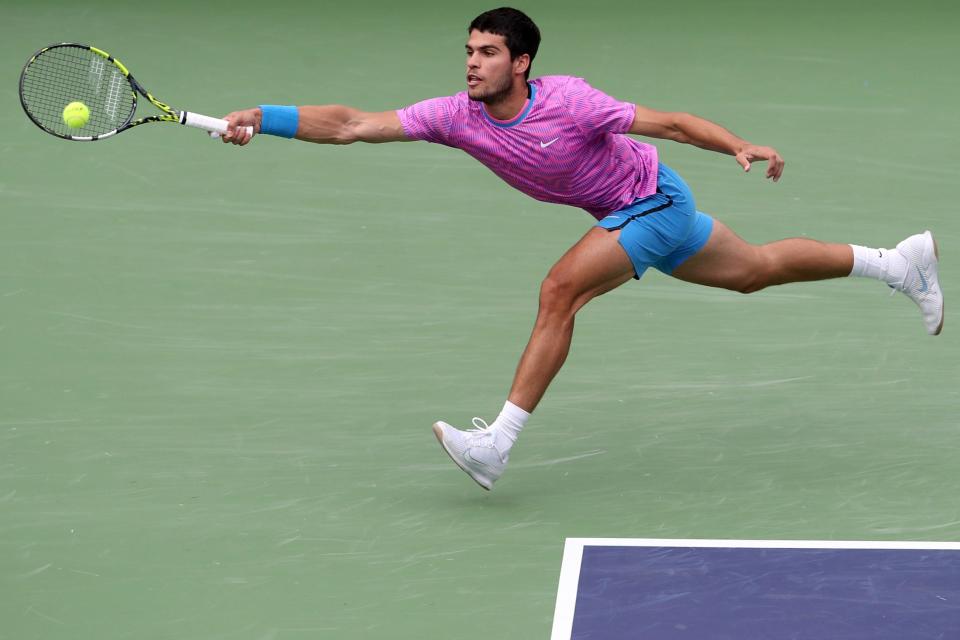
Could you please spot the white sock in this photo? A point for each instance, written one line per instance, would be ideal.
(887, 265)
(507, 426)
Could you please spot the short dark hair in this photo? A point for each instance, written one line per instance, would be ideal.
(521, 34)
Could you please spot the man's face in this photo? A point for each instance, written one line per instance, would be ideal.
(489, 68)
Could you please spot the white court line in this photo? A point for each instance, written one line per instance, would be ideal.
(567, 590)
(573, 556)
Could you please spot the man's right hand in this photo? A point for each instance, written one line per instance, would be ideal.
(239, 121)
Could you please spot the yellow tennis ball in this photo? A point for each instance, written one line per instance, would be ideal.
(76, 115)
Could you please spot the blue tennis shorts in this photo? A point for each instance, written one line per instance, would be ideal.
(662, 230)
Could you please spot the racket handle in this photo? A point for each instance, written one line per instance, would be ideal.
(215, 126)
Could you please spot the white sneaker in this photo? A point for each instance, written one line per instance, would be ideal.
(922, 282)
(474, 451)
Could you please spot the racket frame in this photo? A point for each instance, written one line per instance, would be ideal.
(212, 125)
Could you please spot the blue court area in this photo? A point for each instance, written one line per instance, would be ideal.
(721, 590)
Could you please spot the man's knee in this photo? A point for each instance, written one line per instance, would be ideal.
(558, 294)
(756, 272)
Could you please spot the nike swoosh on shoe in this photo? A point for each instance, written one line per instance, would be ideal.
(923, 280)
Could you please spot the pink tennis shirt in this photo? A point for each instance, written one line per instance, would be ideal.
(566, 146)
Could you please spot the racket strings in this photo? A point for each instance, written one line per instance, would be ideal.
(62, 75)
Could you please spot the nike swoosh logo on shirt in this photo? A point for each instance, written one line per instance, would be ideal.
(544, 145)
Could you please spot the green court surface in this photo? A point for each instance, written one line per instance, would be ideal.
(219, 366)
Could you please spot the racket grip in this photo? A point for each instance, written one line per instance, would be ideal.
(215, 126)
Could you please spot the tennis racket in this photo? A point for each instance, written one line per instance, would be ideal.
(68, 72)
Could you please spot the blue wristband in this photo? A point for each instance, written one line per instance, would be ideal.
(279, 121)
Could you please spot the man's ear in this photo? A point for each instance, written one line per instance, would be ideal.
(521, 63)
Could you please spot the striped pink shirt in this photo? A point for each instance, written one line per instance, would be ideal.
(566, 146)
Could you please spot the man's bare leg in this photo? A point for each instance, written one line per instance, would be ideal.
(593, 266)
(729, 262)
(911, 268)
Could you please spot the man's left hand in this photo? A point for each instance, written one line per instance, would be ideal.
(752, 153)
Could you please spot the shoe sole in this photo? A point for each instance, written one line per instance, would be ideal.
(438, 432)
(943, 308)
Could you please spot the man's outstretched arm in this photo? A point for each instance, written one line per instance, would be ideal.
(689, 129)
(328, 124)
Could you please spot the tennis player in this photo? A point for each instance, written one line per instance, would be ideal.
(560, 140)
